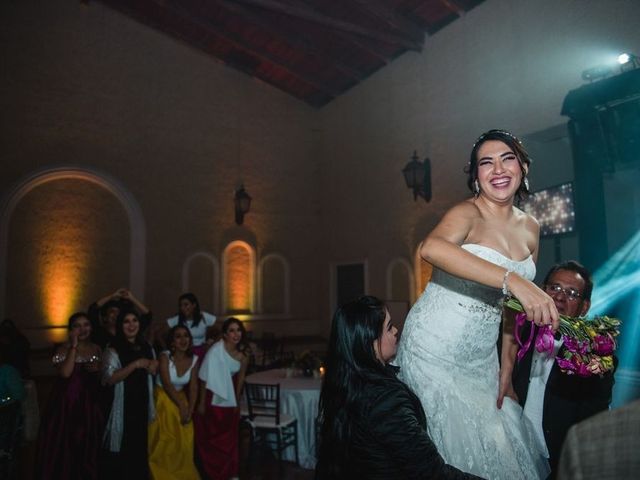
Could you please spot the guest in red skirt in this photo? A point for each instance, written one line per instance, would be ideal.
(217, 421)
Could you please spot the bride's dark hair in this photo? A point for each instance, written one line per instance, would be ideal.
(351, 365)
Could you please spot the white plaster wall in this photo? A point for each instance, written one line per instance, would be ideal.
(506, 64)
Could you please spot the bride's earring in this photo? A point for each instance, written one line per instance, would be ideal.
(526, 184)
(476, 187)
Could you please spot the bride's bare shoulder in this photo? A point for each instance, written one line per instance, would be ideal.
(466, 209)
(529, 221)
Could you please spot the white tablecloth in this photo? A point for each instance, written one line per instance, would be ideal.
(299, 398)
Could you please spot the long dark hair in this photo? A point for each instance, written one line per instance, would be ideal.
(128, 351)
(509, 140)
(197, 314)
(351, 365)
(243, 345)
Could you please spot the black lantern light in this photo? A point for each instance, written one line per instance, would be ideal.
(417, 176)
(242, 202)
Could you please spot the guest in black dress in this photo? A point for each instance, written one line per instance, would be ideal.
(129, 366)
(104, 313)
(371, 425)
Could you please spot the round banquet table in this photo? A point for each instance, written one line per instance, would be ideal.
(299, 398)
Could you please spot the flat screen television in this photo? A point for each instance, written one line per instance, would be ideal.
(554, 209)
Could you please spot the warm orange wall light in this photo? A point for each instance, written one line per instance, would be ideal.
(65, 249)
(62, 267)
(239, 277)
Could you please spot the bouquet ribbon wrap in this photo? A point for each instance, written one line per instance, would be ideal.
(544, 339)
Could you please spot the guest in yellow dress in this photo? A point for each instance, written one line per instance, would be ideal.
(171, 433)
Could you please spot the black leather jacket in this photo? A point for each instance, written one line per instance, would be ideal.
(389, 439)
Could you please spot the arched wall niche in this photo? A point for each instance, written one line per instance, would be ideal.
(206, 267)
(400, 281)
(274, 285)
(134, 222)
(238, 278)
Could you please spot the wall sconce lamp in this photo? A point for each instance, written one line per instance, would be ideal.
(242, 203)
(417, 175)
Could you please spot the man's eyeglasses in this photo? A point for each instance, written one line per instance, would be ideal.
(571, 294)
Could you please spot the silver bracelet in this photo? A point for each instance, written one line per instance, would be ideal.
(505, 289)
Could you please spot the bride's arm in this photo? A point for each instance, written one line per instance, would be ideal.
(442, 249)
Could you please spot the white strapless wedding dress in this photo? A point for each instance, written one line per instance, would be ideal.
(448, 356)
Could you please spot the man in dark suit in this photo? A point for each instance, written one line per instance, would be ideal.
(552, 400)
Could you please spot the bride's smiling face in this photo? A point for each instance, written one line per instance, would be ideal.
(387, 345)
(499, 171)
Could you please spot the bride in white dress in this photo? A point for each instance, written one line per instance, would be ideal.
(447, 354)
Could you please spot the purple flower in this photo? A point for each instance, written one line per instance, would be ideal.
(576, 346)
(574, 365)
(566, 365)
(544, 340)
(604, 345)
(582, 370)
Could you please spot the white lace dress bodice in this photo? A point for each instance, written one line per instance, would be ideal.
(448, 356)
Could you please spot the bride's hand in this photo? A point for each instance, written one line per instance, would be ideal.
(506, 390)
(538, 306)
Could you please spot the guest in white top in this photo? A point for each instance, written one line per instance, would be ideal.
(217, 419)
(198, 322)
(171, 433)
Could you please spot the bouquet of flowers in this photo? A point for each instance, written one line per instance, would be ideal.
(589, 343)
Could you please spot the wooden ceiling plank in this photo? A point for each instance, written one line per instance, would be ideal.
(365, 48)
(239, 42)
(312, 15)
(357, 43)
(294, 41)
(453, 6)
(391, 18)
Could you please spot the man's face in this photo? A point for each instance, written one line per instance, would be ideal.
(110, 317)
(560, 287)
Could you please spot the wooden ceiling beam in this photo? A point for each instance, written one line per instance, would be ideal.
(290, 38)
(175, 7)
(392, 19)
(312, 15)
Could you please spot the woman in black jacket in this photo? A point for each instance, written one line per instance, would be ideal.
(371, 425)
